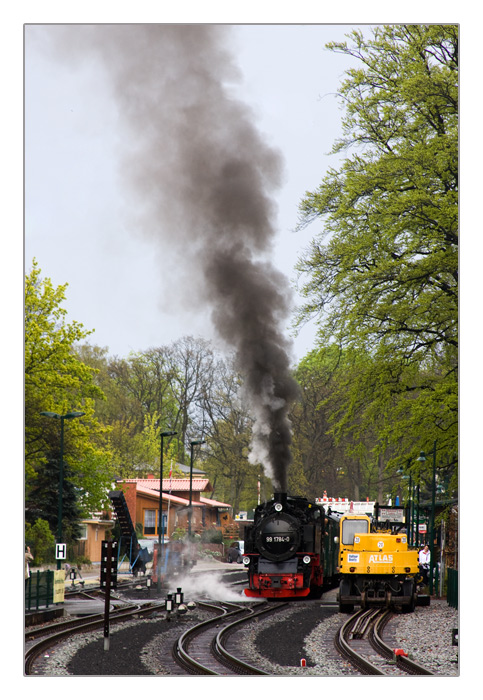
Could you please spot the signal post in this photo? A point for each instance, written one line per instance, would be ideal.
(108, 581)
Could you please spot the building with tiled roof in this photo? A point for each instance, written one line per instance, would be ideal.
(142, 499)
(174, 485)
(93, 530)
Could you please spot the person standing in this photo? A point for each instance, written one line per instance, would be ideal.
(28, 557)
(424, 561)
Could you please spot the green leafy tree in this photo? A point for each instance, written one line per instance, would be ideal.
(147, 446)
(223, 419)
(139, 385)
(227, 462)
(317, 462)
(193, 381)
(382, 277)
(139, 395)
(332, 454)
(43, 498)
(41, 541)
(57, 381)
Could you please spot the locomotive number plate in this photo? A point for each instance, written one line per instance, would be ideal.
(277, 538)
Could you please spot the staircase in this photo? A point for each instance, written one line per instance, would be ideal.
(128, 533)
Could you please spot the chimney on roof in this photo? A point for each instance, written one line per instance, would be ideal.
(150, 476)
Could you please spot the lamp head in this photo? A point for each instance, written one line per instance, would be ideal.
(71, 414)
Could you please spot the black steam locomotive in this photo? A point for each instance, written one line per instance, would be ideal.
(284, 549)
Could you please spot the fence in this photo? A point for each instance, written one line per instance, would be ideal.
(43, 588)
(39, 590)
(452, 588)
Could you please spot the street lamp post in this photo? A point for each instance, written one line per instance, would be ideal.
(65, 416)
(433, 508)
(192, 444)
(410, 502)
(422, 458)
(167, 433)
(411, 514)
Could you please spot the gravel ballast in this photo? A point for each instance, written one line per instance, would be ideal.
(425, 634)
(276, 644)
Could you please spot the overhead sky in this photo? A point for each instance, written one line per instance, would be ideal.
(77, 225)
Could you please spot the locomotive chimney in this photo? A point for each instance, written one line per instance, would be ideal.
(280, 498)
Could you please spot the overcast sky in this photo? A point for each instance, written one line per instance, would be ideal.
(74, 222)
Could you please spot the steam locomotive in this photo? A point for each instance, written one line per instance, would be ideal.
(287, 549)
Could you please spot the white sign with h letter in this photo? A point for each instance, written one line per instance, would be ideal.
(60, 551)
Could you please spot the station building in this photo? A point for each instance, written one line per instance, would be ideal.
(93, 531)
(142, 498)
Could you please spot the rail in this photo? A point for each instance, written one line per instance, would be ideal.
(405, 663)
(66, 629)
(222, 657)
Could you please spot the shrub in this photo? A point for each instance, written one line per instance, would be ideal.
(213, 536)
(210, 554)
(81, 561)
(41, 542)
(178, 534)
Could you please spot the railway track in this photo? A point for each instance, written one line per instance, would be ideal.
(360, 637)
(51, 635)
(210, 647)
(202, 650)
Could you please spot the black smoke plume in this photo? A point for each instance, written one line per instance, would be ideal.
(204, 179)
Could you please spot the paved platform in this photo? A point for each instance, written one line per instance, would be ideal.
(83, 607)
(90, 578)
(205, 565)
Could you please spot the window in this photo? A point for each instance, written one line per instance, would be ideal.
(83, 531)
(150, 522)
(351, 527)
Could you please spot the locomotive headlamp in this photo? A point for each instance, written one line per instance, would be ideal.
(278, 507)
(246, 560)
(306, 559)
